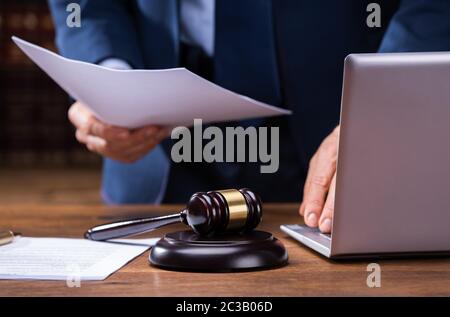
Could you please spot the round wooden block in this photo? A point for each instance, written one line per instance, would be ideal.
(187, 251)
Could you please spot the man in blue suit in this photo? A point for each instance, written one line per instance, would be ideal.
(287, 53)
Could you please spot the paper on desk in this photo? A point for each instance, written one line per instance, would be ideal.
(63, 259)
(133, 98)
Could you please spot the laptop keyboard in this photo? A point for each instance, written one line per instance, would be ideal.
(311, 237)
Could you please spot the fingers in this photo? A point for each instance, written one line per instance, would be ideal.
(318, 183)
(107, 132)
(325, 222)
(319, 179)
(84, 120)
(132, 154)
(139, 143)
(142, 149)
(302, 208)
(305, 191)
(79, 115)
(133, 139)
(118, 143)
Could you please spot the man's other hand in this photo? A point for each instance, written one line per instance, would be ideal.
(319, 190)
(118, 143)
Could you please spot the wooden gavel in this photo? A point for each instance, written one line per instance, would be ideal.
(207, 213)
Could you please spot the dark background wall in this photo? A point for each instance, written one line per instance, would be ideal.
(34, 129)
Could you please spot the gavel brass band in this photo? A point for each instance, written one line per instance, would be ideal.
(207, 213)
(237, 208)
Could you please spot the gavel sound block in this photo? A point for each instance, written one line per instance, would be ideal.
(187, 251)
(222, 239)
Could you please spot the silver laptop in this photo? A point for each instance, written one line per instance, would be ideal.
(393, 172)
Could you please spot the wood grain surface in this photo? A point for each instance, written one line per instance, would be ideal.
(307, 272)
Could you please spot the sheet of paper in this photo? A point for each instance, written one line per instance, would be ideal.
(66, 259)
(133, 98)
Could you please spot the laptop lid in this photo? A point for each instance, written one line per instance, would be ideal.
(393, 174)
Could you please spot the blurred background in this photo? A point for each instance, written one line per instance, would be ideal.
(40, 160)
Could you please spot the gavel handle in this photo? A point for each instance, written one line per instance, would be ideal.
(130, 227)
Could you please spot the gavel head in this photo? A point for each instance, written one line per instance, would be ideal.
(216, 212)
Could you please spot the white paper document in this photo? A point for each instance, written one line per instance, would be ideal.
(64, 259)
(134, 98)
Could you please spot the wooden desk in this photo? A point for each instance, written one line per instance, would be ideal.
(306, 274)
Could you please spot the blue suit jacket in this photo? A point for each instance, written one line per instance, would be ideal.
(287, 53)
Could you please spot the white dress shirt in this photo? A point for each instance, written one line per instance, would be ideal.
(197, 23)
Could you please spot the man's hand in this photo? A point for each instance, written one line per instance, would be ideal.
(120, 144)
(319, 190)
